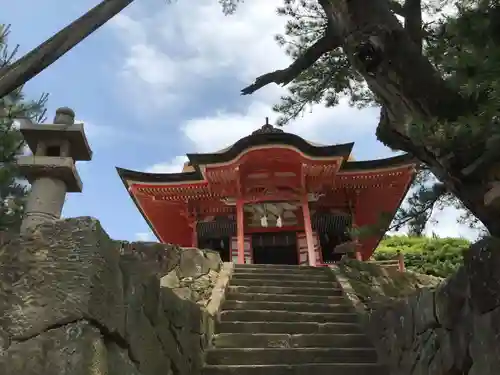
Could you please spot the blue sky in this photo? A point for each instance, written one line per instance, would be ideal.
(161, 80)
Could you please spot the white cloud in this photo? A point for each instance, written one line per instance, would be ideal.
(323, 125)
(173, 166)
(178, 47)
(96, 133)
(144, 236)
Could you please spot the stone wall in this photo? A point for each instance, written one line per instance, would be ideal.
(450, 330)
(73, 301)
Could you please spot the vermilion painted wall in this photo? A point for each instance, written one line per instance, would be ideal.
(170, 224)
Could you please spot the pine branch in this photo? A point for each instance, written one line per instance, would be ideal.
(284, 76)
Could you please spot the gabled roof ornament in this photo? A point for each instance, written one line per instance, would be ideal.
(267, 128)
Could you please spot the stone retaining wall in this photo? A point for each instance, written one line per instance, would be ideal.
(73, 301)
(450, 330)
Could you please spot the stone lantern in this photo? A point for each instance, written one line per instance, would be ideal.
(51, 168)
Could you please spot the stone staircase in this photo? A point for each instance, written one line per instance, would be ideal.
(279, 320)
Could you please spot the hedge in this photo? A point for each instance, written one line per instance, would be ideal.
(427, 255)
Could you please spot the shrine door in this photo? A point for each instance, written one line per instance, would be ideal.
(248, 249)
(302, 248)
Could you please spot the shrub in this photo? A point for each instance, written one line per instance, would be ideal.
(428, 255)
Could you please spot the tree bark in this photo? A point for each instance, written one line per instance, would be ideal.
(409, 89)
(28, 66)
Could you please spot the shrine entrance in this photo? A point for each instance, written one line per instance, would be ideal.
(275, 248)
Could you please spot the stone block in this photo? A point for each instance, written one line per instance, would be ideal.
(485, 344)
(59, 273)
(192, 263)
(75, 348)
(69, 279)
(157, 258)
(482, 264)
(424, 311)
(451, 297)
(119, 362)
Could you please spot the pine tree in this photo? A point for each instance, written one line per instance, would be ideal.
(13, 189)
(437, 84)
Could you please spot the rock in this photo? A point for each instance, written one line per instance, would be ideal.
(184, 293)
(450, 298)
(119, 362)
(75, 302)
(59, 273)
(74, 349)
(192, 263)
(485, 344)
(452, 329)
(170, 280)
(424, 311)
(482, 263)
(213, 260)
(157, 257)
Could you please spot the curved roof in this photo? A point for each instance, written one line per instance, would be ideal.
(193, 174)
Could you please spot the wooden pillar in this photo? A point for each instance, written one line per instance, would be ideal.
(401, 261)
(358, 253)
(309, 232)
(194, 240)
(240, 230)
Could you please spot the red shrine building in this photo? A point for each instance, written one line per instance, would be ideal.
(272, 197)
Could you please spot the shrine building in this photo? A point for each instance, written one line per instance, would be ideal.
(272, 197)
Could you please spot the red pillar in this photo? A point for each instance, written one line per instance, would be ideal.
(309, 232)
(240, 231)
(358, 254)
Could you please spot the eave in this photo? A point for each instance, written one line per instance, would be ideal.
(377, 164)
(272, 139)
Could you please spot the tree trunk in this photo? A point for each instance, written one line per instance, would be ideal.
(27, 67)
(411, 90)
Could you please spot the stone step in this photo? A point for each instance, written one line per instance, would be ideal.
(287, 327)
(285, 290)
(274, 340)
(264, 297)
(279, 267)
(237, 281)
(286, 316)
(286, 306)
(291, 356)
(285, 275)
(298, 369)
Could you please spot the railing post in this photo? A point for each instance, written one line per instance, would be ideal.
(401, 261)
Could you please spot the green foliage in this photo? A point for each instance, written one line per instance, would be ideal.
(329, 79)
(464, 48)
(13, 106)
(428, 255)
